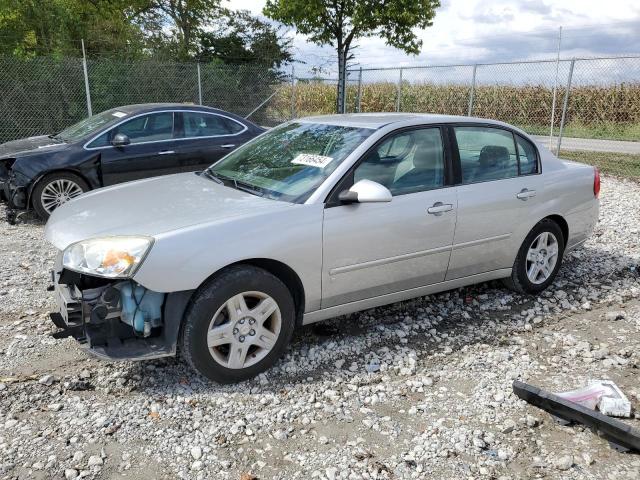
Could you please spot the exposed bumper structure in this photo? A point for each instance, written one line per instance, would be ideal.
(111, 322)
(15, 195)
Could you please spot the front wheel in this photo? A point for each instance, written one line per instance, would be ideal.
(55, 190)
(538, 259)
(238, 324)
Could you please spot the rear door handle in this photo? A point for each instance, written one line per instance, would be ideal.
(228, 145)
(525, 194)
(166, 152)
(439, 208)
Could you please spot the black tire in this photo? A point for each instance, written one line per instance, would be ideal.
(36, 195)
(210, 298)
(519, 281)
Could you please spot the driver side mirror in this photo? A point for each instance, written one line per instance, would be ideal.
(365, 191)
(120, 140)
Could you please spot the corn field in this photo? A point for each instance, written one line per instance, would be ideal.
(593, 111)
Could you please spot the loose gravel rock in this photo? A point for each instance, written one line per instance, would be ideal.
(418, 389)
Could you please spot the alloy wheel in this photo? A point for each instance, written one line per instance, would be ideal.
(244, 330)
(58, 192)
(542, 257)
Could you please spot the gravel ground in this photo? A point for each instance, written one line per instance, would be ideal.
(419, 389)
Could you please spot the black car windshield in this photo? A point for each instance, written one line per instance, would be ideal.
(89, 125)
(290, 161)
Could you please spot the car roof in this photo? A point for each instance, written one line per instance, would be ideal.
(379, 120)
(150, 107)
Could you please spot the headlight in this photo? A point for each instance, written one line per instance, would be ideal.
(111, 257)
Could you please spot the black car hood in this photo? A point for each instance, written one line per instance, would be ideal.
(30, 146)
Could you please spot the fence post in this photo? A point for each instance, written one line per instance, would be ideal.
(566, 104)
(359, 104)
(555, 90)
(472, 91)
(86, 79)
(199, 85)
(293, 92)
(399, 95)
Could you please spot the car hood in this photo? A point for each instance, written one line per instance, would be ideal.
(29, 146)
(151, 207)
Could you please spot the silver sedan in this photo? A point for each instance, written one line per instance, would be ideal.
(317, 218)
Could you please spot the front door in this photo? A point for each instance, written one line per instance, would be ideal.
(498, 188)
(379, 248)
(152, 151)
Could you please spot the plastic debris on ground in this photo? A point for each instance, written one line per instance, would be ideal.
(603, 395)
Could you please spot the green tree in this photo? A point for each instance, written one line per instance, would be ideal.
(340, 22)
(185, 18)
(240, 38)
(54, 27)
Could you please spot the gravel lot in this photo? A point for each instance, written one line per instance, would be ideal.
(419, 389)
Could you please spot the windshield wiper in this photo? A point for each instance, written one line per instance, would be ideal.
(232, 182)
(212, 176)
(245, 187)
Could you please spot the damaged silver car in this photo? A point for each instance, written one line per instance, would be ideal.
(317, 218)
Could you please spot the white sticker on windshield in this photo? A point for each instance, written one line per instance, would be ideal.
(119, 114)
(318, 161)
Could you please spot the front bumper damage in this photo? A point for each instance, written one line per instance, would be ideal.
(15, 191)
(117, 319)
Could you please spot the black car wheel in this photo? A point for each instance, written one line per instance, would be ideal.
(54, 190)
(538, 259)
(238, 324)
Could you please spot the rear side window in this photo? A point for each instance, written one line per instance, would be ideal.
(486, 154)
(197, 124)
(527, 156)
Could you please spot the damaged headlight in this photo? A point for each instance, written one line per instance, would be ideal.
(111, 257)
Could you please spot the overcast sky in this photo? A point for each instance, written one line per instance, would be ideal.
(471, 31)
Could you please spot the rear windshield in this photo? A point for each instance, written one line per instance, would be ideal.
(291, 161)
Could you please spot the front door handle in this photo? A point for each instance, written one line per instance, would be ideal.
(439, 208)
(525, 194)
(228, 145)
(166, 152)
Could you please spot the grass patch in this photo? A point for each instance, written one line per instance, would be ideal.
(611, 163)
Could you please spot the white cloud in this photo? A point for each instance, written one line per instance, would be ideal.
(472, 31)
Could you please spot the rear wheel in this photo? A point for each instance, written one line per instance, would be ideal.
(238, 324)
(538, 259)
(55, 190)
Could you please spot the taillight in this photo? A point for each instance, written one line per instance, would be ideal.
(596, 182)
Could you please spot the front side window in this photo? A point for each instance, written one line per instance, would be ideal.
(290, 161)
(197, 124)
(411, 161)
(486, 154)
(146, 128)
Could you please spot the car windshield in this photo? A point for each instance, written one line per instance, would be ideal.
(88, 126)
(290, 161)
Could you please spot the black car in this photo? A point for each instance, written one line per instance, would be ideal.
(117, 145)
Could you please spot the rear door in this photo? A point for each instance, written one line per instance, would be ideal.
(152, 150)
(498, 187)
(380, 248)
(207, 137)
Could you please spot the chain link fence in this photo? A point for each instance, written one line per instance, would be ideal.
(593, 103)
(590, 107)
(44, 95)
